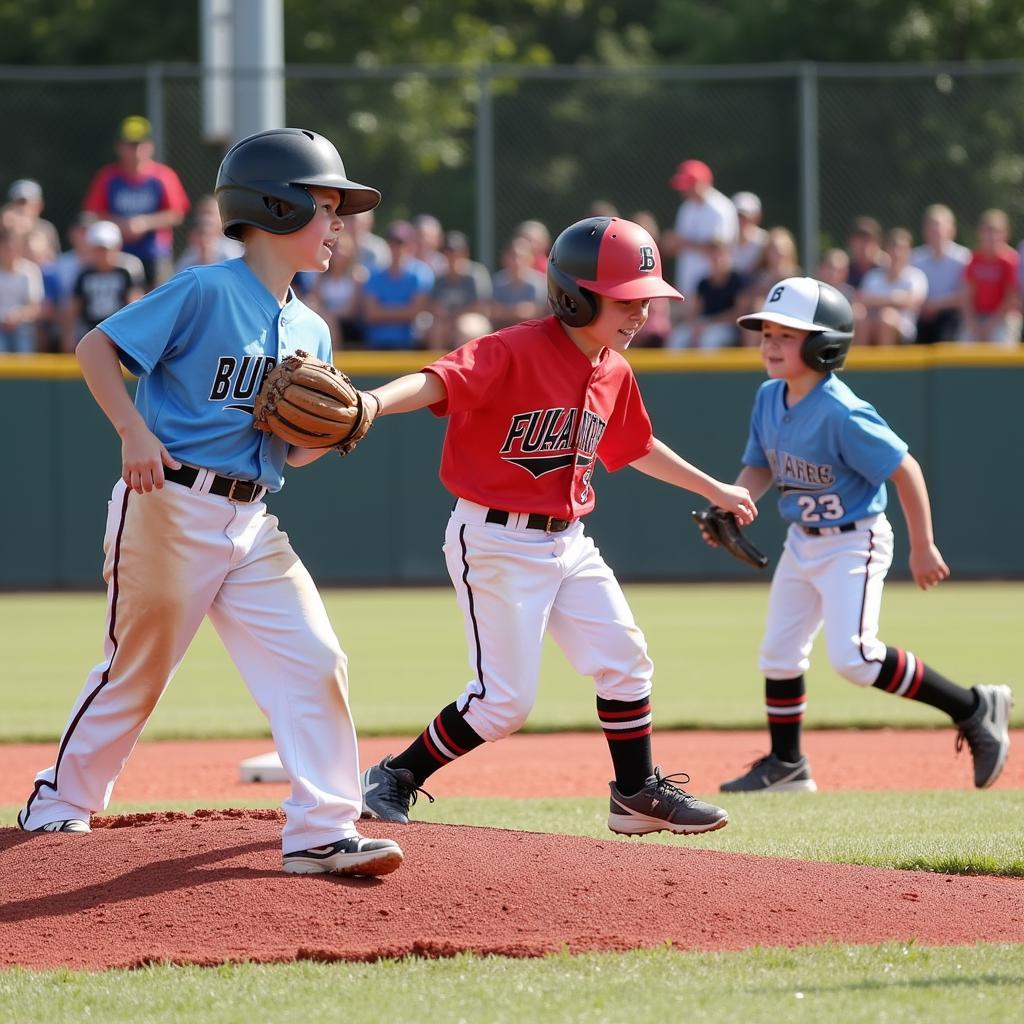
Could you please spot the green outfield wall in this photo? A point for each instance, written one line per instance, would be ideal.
(378, 516)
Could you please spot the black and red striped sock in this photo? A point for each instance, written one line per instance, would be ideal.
(627, 728)
(906, 675)
(447, 737)
(784, 703)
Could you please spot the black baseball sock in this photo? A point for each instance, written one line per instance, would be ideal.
(784, 704)
(905, 675)
(627, 728)
(447, 737)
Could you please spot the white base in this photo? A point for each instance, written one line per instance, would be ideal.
(263, 768)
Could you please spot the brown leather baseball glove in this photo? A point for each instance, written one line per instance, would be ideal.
(312, 404)
(722, 528)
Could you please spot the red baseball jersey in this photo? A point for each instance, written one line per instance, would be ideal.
(527, 415)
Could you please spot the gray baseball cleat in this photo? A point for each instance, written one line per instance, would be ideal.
(354, 856)
(662, 806)
(769, 774)
(987, 733)
(388, 792)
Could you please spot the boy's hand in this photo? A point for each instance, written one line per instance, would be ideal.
(143, 458)
(736, 500)
(927, 566)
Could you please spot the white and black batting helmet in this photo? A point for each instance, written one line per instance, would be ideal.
(264, 181)
(809, 305)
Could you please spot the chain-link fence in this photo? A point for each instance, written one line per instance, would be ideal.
(484, 150)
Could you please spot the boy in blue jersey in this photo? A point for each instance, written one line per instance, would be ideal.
(188, 535)
(830, 454)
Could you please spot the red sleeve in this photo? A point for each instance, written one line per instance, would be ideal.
(1011, 261)
(470, 374)
(629, 435)
(96, 199)
(174, 192)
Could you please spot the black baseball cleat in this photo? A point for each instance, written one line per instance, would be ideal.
(354, 856)
(662, 806)
(388, 792)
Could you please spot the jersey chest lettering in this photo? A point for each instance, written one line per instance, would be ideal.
(544, 440)
(240, 380)
(789, 468)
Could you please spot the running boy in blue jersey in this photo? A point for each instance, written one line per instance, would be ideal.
(188, 535)
(830, 454)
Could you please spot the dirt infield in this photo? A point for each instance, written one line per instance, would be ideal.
(554, 765)
(207, 887)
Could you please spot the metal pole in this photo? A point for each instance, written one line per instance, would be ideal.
(155, 106)
(215, 54)
(257, 94)
(484, 145)
(810, 198)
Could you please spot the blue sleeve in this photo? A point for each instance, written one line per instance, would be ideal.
(754, 454)
(157, 325)
(869, 446)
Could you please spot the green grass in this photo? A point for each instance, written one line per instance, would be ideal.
(950, 832)
(408, 658)
(896, 983)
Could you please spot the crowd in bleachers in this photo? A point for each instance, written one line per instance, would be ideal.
(416, 284)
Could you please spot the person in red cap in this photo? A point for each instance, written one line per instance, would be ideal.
(531, 408)
(704, 217)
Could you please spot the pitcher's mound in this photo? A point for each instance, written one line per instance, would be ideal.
(207, 888)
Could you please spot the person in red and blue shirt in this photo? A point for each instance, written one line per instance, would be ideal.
(143, 197)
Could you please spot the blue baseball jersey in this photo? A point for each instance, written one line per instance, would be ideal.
(201, 345)
(830, 454)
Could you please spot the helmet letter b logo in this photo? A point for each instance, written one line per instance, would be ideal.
(646, 257)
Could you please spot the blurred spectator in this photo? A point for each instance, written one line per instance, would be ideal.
(892, 296)
(519, 292)
(655, 331)
(778, 262)
(834, 269)
(144, 198)
(539, 238)
(463, 287)
(23, 213)
(601, 208)
(943, 263)
(395, 298)
(337, 293)
(108, 280)
(704, 216)
(371, 250)
(207, 242)
(751, 237)
(711, 317)
(59, 278)
(21, 295)
(429, 241)
(991, 300)
(864, 245)
(469, 326)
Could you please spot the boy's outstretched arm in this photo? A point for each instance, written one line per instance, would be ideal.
(926, 563)
(143, 456)
(664, 464)
(409, 393)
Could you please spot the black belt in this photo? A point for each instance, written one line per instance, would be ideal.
(244, 491)
(535, 521)
(818, 531)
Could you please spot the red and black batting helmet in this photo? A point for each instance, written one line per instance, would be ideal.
(264, 181)
(602, 256)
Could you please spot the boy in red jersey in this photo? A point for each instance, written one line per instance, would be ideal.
(529, 409)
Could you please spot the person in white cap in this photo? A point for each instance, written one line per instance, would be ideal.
(751, 238)
(23, 213)
(109, 279)
(830, 454)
